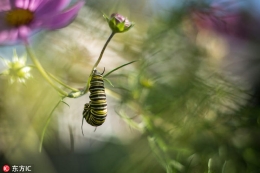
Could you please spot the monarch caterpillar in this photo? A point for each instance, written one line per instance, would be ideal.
(95, 111)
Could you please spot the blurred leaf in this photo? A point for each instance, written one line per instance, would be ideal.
(119, 68)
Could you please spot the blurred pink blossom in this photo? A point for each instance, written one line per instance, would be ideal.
(227, 19)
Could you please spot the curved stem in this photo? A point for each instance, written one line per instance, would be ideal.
(43, 72)
(47, 123)
(99, 59)
(63, 84)
(103, 50)
(57, 80)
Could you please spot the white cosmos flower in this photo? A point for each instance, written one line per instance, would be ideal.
(17, 71)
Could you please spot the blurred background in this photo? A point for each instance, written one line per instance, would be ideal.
(190, 104)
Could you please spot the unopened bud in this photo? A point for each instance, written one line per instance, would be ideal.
(118, 23)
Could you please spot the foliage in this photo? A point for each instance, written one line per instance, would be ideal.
(190, 114)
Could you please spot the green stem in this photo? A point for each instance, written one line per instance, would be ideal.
(43, 72)
(99, 59)
(103, 50)
(47, 123)
(63, 84)
(57, 80)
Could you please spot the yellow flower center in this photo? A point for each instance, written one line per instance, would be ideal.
(18, 17)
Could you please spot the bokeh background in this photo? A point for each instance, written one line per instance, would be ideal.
(190, 104)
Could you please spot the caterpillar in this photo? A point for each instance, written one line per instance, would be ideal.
(95, 111)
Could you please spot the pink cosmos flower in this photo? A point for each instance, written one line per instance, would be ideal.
(19, 19)
(216, 18)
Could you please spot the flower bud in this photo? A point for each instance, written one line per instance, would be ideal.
(118, 23)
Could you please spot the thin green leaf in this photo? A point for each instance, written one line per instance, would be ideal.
(47, 123)
(106, 17)
(224, 167)
(119, 68)
(109, 82)
(65, 103)
(128, 120)
(209, 165)
(158, 153)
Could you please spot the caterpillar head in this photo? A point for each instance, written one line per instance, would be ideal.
(95, 72)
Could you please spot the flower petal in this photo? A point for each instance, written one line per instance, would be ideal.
(65, 18)
(24, 32)
(21, 4)
(10, 37)
(5, 5)
(13, 35)
(34, 4)
(29, 4)
(51, 6)
(3, 37)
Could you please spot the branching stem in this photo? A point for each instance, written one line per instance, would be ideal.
(43, 72)
(97, 62)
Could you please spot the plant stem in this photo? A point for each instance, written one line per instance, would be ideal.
(103, 50)
(99, 59)
(47, 123)
(43, 72)
(63, 84)
(57, 80)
